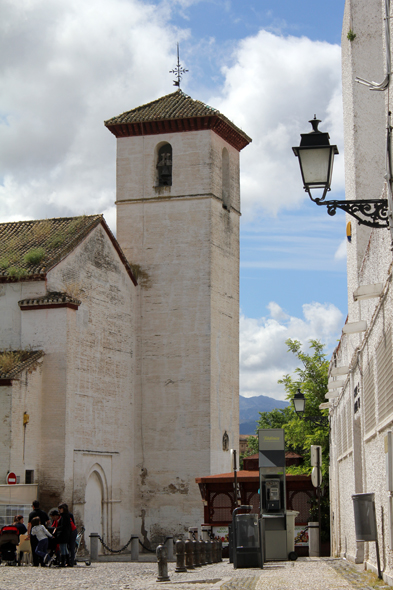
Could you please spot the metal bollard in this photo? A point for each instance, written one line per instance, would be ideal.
(219, 543)
(202, 554)
(134, 548)
(193, 532)
(208, 545)
(169, 545)
(195, 547)
(180, 556)
(162, 560)
(94, 546)
(189, 555)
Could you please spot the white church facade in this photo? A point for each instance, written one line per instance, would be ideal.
(119, 371)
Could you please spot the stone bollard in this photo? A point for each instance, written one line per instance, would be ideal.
(202, 553)
(189, 555)
(134, 548)
(195, 547)
(162, 560)
(214, 551)
(94, 546)
(169, 545)
(219, 545)
(180, 556)
(208, 545)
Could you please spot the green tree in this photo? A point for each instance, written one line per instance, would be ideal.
(311, 378)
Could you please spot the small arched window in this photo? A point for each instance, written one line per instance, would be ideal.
(164, 165)
(226, 197)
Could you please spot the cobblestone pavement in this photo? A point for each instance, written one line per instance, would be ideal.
(304, 574)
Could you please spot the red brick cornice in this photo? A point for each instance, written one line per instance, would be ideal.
(215, 123)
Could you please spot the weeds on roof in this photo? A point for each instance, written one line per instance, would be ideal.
(34, 256)
(9, 360)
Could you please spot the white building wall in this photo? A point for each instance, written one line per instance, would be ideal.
(369, 356)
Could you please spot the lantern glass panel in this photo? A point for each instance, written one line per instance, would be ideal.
(316, 167)
(299, 404)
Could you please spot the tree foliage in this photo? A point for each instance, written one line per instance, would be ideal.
(311, 377)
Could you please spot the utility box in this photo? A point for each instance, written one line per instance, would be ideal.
(365, 520)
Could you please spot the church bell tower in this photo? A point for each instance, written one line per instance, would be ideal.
(178, 209)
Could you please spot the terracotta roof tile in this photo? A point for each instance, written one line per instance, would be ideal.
(30, 248)
(12, 362)
(175, 107)
(48, 299)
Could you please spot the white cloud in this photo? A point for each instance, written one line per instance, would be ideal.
(341, 252)
(263, 353)
(70, 65)
(275, 85)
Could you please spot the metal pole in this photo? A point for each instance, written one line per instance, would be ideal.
(319, 495)
(235, 476)
(378, 560)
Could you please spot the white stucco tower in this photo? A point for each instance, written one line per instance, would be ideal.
(178, 208)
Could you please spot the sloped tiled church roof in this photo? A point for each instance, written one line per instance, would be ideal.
(176, 112)
(29, 249)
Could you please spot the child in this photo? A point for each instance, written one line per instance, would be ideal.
(42, 535)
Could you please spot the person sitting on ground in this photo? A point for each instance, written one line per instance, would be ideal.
(42, 535)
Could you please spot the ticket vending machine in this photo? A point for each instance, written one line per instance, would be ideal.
(272, 493)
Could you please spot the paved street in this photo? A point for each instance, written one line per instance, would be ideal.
(304, 574)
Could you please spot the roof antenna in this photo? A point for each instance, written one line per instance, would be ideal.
(178, 70)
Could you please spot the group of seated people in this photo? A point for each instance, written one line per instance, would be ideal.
(51, 537)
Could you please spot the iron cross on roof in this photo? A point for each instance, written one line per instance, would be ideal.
(178, 70)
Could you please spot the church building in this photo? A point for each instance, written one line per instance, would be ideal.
(119, 370)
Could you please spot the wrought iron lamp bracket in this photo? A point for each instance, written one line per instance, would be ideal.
(370, 212)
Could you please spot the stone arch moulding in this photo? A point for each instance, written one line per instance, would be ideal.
(96, 503)
(226, 193)
(163, 158)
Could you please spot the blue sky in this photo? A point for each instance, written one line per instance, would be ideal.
(267, 65)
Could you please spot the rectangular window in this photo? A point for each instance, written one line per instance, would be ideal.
(385, 377)
(369, 398)
(29, 476)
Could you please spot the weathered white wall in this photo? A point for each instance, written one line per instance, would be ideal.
(81, 399)
(10, 294)
(187, 246)
(361, 467)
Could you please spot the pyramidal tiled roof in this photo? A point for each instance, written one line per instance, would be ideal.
(29, 249)
(176, 107)
(12, 362)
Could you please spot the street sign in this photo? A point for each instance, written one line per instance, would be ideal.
(315, 449)
(11, 478)
(314, 477)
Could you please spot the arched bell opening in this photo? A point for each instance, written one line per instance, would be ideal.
(164, 165)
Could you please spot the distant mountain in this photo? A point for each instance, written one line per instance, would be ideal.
(249, 408)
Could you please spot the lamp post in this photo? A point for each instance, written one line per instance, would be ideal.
(316, 157)
(299, 404)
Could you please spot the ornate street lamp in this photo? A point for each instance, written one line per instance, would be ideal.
(299, 404)
(316, 157)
